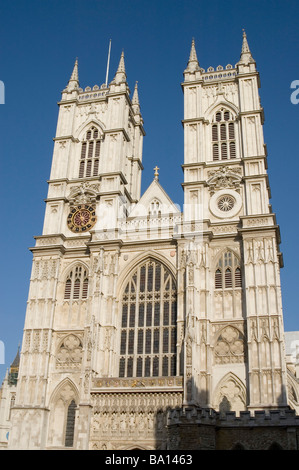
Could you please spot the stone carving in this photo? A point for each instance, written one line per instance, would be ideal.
(229, 346)
(70, 353)
(136, 383)
(224, 178)
(231, 395)
(122, 417)
(85, 193)
(45, 269)
(260, 251)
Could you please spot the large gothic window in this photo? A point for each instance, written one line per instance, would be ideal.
(223, 136)
(148, 323)
(90, 154)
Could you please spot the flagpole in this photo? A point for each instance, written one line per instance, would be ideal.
(108, 61)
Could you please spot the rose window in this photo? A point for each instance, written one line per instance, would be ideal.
(226, 203)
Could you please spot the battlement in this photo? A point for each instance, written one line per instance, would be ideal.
(197, 415)
(220, 73)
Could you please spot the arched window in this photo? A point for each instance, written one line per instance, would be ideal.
(148, 323)
(228, 272)
(76, 285)
(90, 154)
(223, 136)
(70, 424)
(154, 208)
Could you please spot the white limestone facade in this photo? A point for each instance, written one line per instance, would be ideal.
(135, 307)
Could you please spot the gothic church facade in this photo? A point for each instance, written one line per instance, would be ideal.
(148, 327)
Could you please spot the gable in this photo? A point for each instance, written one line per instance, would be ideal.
(155, 201)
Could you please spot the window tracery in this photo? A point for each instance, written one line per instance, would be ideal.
(148, 324)
(229, 347)
(228, 272)
(70, 353)
(223, 136)
(76, 285)
(90, 154)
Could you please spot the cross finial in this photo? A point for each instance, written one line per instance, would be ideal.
(156, 172)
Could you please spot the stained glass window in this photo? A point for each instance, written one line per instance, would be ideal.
(148, 336)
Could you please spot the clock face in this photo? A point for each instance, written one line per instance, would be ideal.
(81, 218)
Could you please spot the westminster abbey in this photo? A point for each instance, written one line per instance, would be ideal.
(148, 327)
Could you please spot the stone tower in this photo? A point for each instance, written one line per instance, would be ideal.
(239, 348)
(137, 311)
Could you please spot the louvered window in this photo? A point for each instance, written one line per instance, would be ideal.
(232, 149)
(76, 285)
(228, 272)
(85, 288)
(215, 152)
(215, 133)
(223, 152)
(90, 154)
(68, 287)
(223, 136)
(228, 278)
(218, 279)
(76, 292)
(148, 323)
(238, 278)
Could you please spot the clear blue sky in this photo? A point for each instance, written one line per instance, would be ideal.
(39, 41)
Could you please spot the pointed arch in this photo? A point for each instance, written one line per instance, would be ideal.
(227, 269)
(222, 252)
(230, 394)
(91, 122)
(69, 352)
(292, 391)
(65, 272)
(223, 131)
(63, 403)
(67, 390)
(139, 259)
(91, 141)
(218, 104)
(148, 321)
(76, 281)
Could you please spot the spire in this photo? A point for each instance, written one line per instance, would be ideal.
(16, 362)
(120, 75)
(14, 369)
(193, 64)
(135, 100)
(246, 56)
(74, 80)
(75, 75)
